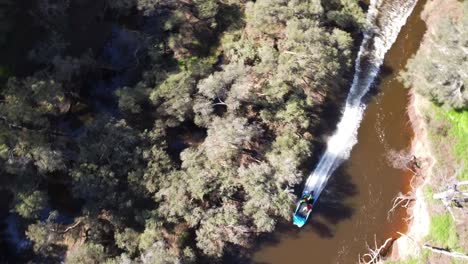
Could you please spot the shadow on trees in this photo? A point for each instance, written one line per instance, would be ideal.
(183, 136)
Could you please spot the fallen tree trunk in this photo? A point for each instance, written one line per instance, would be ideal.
(446, 252)
(453, 196)
(452, 192)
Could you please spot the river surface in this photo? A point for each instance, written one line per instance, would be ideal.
(352, 210)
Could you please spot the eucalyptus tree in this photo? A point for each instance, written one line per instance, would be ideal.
(439, 68)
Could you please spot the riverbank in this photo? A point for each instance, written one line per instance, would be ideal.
(440, 150)
(407, 246)
(432, 222)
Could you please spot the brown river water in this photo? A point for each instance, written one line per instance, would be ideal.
(352, 212)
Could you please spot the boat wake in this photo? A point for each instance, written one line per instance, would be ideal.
(384, 21)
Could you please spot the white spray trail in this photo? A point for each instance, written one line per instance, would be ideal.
(385, 20)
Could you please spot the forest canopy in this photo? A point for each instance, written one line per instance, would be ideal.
(163, 131)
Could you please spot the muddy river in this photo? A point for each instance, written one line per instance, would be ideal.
(352, 211)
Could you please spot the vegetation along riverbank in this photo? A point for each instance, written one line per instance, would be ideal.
(437, 77)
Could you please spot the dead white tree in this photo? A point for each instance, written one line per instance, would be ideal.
(454, 195)
(454, 192)
(375, 254)
(401, 200)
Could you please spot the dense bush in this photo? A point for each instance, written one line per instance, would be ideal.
(239, 84)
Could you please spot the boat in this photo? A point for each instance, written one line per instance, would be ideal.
(303, 209)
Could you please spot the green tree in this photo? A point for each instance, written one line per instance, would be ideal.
(29, 204)
(31, 101)
(109, 155)
(41, 236)
(439, 69)
(266, 200)
(227, 136)
(173, 97)
(206, 8)
(288, 151)
(346, 13)
(87, 253)
(131, 99)
(127, 240)
(219, 227)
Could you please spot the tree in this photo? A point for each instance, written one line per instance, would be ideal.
(48, 160)
(315, 58)
(206, 8)
(174, 198)
(268, 16)
(218, 84)
(151, 235)
(158, 163)
(31, 101)
(439, 68)
(29, 205)
(219, 227)
(130, 100)
(108, 156)
(127, 240)
(346, 13)
(87, 253)
(227, 136)
(173, 97)
(286, 154)
(147, 6)
(41, 236)
(203, 109)
(160, 253)
(296, 114)
(265, 200)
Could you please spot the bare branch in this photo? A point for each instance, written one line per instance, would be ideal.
(447, 252)
(453, 196)
(374, 255)
(402, 200)
(71, 227)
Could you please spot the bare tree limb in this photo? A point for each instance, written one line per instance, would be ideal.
(401, 200)
(447, 252)
(374, 255)
(452, 196)
(71, 227)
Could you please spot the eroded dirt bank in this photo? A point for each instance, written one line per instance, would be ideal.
(407, 246)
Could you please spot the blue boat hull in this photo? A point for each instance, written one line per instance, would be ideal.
(299, 218)
(299, 221)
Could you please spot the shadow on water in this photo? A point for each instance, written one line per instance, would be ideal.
(332, 204)
(376, 88)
